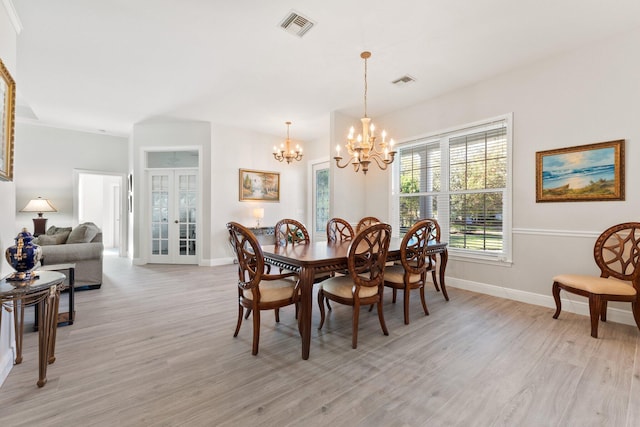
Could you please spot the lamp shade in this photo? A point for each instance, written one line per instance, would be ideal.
(39, 205)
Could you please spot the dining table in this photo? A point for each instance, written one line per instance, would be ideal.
(328, 257)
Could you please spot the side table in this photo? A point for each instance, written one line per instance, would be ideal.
(67, 317)
(44, 292)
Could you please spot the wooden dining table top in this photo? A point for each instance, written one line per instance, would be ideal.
(321, 252)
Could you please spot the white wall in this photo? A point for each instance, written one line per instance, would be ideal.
(160, 134)
(584, 96)
(235, 149)
(8, 206)
(45, 160)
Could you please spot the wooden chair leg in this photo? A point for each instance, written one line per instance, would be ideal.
(256, 331)
(603, 311)
(424, 301)
(595, 308)
(240, 312)
(354, 334)
(407, 294)
(321, 305)
(556, 297)
(435, 280)
(383, 325)
(635, 307)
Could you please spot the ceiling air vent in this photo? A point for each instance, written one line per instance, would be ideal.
(406, 79)
(296, 24)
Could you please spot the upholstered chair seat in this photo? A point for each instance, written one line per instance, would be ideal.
(596, 285)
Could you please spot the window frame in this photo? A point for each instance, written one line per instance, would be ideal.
(443, 195)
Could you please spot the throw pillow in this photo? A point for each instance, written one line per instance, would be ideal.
(53, 230)
(83, 233)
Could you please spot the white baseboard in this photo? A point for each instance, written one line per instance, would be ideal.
(222, 261)
(568, 305)
(6, 364)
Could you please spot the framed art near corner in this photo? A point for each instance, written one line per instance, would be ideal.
(7, 117)
(582, 173)
(259, 186)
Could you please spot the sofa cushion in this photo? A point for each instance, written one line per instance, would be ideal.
(83, 233)
(44, 240)
(53, 230)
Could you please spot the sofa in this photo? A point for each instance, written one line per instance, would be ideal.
(81, 245)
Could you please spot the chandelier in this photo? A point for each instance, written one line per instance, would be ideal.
(285, 152)
(363, 149)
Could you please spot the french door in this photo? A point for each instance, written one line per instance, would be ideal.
(173, 234)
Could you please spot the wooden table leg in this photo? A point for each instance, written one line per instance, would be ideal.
(444, 256)
(47, 322)
(18, 321)
(306, 308)
(54, 325)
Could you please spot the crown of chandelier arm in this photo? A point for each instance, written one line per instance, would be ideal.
(363, 149)
(285, 152)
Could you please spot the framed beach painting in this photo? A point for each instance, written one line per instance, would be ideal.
(259, 186)
(7, 117)
(583, 173)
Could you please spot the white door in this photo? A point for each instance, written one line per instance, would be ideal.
(173, 209)
(320, 201)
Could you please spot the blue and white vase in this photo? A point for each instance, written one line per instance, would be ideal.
(23, 256)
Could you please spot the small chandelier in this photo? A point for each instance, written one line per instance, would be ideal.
(285, 152)
(363, 149)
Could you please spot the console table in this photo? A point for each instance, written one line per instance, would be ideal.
(265, 235)
(44, 292)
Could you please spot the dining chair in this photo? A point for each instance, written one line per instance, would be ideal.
(365, 222)
(258, 290)
(339, 230)
(366, 258)
(415, 262)
(433, 235)
(617, 253)
(289, 231)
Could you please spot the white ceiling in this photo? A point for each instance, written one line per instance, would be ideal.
(108, 64)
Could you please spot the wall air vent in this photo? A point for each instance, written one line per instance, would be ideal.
(406, 79)
(296, 24)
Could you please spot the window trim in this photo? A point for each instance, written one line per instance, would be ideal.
(506, 256)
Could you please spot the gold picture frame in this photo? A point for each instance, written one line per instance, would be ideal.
(7, 122)
(261, 186)
(593, 172)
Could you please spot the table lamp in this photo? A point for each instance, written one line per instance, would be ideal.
(258, 214)
(39, 205)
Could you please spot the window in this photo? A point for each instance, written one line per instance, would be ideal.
(462, 179)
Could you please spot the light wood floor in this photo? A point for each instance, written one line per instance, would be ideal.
(154, 346)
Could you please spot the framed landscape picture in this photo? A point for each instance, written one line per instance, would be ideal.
(583, 173)
(7, 117)
(259, 185)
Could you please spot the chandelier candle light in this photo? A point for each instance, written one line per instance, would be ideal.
(363, 149)
(285, 152)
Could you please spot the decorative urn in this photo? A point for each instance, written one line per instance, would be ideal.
(23, 256)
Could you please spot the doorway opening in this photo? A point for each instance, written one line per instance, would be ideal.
(98, 198)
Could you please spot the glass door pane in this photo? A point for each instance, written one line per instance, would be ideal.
(187, 208)
(320, 199)
(160, 214)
